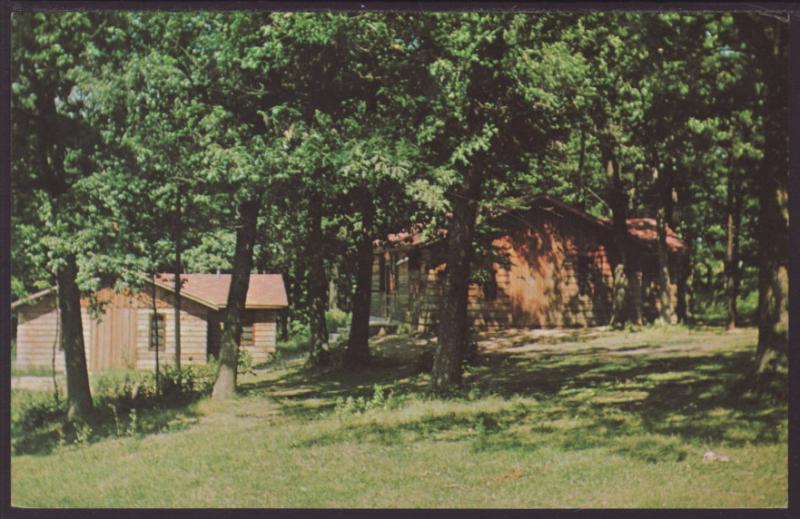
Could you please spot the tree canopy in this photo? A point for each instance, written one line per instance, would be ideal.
(292, 142)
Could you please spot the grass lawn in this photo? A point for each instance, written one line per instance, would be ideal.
(583, 419)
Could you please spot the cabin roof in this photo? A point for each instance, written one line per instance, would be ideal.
(211, 290)
(264, 290)
(642, 230)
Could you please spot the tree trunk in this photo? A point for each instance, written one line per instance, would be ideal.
(768, 39)
(225, 384)
(773, 279)
(157, 345)
(732, 248)
(317, 285)
(453, 321)
(626, 302)
(178, 284)
(579, 180)
(79, 395)
(283, 325)
(357, 352)
(333, 296)
(633, 299)
(56, 342)
(682, 308)
(663, 218)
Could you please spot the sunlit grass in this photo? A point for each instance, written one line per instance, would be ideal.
(577, 423)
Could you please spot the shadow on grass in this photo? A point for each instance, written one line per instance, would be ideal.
(306, 392)
(648, 406)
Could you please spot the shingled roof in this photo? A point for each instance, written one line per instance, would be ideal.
(643, 230)
(264, 290)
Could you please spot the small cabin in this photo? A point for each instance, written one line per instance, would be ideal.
(130, 329)
(553, 268)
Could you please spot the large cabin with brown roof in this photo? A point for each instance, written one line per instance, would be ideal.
(556, 270)
(128, 331)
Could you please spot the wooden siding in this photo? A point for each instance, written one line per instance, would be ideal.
(36, 335)
(264, 334)
(538, 287)
(119, 337)
(193, 331)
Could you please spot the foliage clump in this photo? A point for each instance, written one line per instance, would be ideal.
(125, 405)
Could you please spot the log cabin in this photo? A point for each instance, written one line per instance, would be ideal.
(552, 267)
(127, 330)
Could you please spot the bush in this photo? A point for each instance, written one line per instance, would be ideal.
(245, 362)
(335, 319)
(125, 404)
(297, 343)
(298, 329)
(379, 400)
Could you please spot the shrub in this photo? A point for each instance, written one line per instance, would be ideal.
(125, 404)
(379, 400)
(335, 319)
(244, 362)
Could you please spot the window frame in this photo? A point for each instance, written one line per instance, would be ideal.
(162, 345)
(584, 264)
(382, 272)
(489, 288)
(248, 321)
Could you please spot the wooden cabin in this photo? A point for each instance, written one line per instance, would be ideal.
(553, 269)
(126, 333)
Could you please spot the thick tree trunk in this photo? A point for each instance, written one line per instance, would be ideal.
(768, 39)
(663, 219)
(79, 395)
(357, 352)
(177, 273)
(453, 320)
(732, 249)
(626, 299)
(317, 285)
(225, 384)
(773, 279)
(666, 312)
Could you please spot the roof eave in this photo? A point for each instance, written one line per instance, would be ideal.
(187, 295)
(32, 297)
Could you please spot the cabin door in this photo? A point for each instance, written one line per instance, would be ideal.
(114, 340)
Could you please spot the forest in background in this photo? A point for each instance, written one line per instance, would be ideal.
(289, 142)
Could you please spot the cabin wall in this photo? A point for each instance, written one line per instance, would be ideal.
(264, 336)
(36, 334)
(552, 259)
(194, 332)
(119, 337)
(557, 273)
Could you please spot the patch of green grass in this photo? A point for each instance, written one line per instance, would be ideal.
(618, 420)
(33, 372)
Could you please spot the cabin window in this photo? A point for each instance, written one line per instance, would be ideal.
(489, 287)
(158, 334)
(414, 260)
(392, 274)
(583, 273)
(248, 334)
(382, 273)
